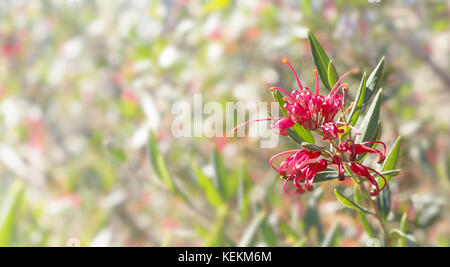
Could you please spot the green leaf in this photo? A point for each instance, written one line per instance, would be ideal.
(403, 224)
(217, 236)
(213, 195)
(362, 215)
(268, 234)
(369, 125)
(320, 58)
(331, 238)
(8, 213)
(250, 233)
(358, 103)
(243, 193)
(390, 162)
(333, 77)
(292, 236)
(326, 175)
(384, 202)
(312, 147)
(349, 203)
(220, 173)
(391, 173)
(306, 135)
(397, 233)
(374, 80)
(158, 163)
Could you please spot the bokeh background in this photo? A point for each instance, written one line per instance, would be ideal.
(84, 85)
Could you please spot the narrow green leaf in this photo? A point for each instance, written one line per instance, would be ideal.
(8, 213)
(369, 124)
(312, 147)
(358, 103)
(250, 233)
(326, 175)
(384, 202)
(397, 233)
(320, 58)
(403, 224)
(333, 77)
(349, 203)
(362, 215)
(374, 80)
(331, 238)
(243, 193)
(391, 173)
(306, 135)
(390, 162)
(292, 236)
(220, 173)
(268, 234)
(217, 236)
(212, 193)
(158, 163)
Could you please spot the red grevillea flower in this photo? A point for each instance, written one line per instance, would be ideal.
(356, 167)
(362, 170)
(310, 109)
(302, 164)
(356, 149)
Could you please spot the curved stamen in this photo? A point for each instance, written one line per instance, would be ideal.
(379, 174)
(317, 81)
(342, 77)
(285, 184)
(248, 122)
(377, 142)
(278, 155)
(286, 61)
(284, 91)
(344, 85)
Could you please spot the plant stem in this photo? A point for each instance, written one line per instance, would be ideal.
(376, 213)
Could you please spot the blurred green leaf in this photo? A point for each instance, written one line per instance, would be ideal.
(158, 163)
(357, 105)
(349, 203)
(269, 235)
(397, 233)
(220, 173)
(403, 226)
(312, 216)
(331, 239)
(212, 193)
(243, 193)
(390, 162)
(374, 80)
(320, 58)
(384, 202)
(8, 213)
(369, 125)
(362, 215)
(312, 147)
(249, 236)
(333, 77)
(293, 237)
(217, 236)
(215, 5)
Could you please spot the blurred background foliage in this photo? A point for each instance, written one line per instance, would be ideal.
(86, 90)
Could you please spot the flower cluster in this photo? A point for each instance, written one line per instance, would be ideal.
(316, 112)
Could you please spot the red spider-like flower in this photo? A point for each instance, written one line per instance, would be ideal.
(302, 164)
(312, 110)
(356, 167)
